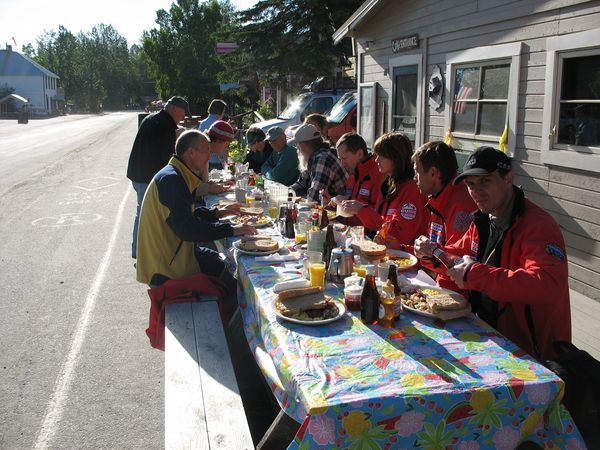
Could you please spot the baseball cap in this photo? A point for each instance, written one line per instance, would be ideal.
(180, 102)
(305, 132)
(221, 130)
(483, 161)
(274, 133)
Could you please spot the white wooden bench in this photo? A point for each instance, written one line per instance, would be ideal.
(203, 408)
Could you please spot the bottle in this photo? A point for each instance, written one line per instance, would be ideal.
(448, 260)
(260, 182)
(324, 219)
(369, 299)
(289, 222)
(328, 245)
(386, 306)
(393, 279)
(315, 220)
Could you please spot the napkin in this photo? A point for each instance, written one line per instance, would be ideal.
(276, 257)
(291, 284)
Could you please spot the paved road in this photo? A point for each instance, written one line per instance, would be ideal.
(76, 371)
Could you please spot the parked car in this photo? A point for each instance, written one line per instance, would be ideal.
(302, 106)
(342, 117)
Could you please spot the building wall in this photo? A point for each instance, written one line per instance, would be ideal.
(570, 195)
(35, 89)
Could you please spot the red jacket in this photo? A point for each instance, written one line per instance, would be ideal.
(404, 209)
(364, 185)
(530, 269)
(450, 214)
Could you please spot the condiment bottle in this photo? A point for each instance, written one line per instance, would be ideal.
(289, 222)
(324, 219)
(328, 245)
(393, 280)
(447, 259)
(369, 300)
(386, 306)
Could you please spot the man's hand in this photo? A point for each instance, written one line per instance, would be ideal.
(457, 273)
(351, 207)
(424, 247)
(228, 210)
(241, 230)
(219, 188)
(326, 197)
(389, 242)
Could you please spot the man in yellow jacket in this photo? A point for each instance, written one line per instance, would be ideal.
(170, 225)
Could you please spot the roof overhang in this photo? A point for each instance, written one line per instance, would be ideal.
(14, 97)
(350, 25)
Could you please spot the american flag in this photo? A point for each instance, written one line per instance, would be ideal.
(463, 93)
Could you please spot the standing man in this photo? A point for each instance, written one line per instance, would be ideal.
(216, 111)
(169, 225)
(513, 258)
(153, 146)
(282, 165)
(449, 204)
(323, 171)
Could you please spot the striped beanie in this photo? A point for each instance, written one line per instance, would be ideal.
(221, 130)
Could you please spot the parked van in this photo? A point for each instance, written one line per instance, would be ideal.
(342, 117)
(302, 106)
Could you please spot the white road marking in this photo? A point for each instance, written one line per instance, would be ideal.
(66, 220)
(55, 407)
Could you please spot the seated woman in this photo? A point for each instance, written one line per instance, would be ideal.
(260, 149)
(400, 206)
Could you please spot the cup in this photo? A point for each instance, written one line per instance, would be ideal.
(300, 233)
(316, 271)
(361, 270)
(250, 200)
(357, 233)
(273, 210)
(316, 239)
(352, 296)
(383, 270)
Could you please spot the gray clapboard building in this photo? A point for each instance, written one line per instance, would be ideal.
(524, 73)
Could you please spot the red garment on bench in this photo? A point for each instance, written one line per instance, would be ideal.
(180, 290)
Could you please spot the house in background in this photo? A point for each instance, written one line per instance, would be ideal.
(474, 71)
(31, 81)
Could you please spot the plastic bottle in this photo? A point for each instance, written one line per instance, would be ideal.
(369, 300)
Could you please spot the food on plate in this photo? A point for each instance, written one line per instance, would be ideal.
(442, 304)
(250, 220)
(251, 210)
(401, 261)
(258, 244)
(307, 304)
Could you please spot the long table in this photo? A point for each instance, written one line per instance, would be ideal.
(423, 384)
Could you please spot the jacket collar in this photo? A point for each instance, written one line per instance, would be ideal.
(517, 211)
(190, 178)
(364, 166)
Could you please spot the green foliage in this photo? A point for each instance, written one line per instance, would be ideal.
(266, 109)
(237, 151)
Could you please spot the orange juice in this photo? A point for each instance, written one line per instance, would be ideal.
(300, 238)
(250, 200)
(273, 212)
(317, 274)
(361, 270)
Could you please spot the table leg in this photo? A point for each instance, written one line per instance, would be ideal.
(280, 433)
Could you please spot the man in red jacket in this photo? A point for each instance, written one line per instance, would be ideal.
(513, 258)
(364, 177)
(450, 205)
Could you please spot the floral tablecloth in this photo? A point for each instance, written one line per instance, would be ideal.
(423, 384)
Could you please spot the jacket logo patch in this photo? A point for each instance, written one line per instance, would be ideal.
(474, 247)
(435, 232)
(408, 211)
(364, 192)
(556, 251)
(462, 221)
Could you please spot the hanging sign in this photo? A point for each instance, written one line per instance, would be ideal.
(405, 43)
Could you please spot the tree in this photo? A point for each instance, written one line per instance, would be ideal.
(290, 41)
(180, 52)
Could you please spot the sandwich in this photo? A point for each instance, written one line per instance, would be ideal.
(251, 210)
(443, 301)
(258, 244)
(310, 302)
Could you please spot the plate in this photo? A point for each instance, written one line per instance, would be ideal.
(341, 312)
(431, 288)
(400, 254)
(235, 220)
(236, 244)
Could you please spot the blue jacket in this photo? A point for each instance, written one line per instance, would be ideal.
(282, 166)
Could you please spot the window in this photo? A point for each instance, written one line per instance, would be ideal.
(483, 87)
(571, 123)
(480, 103)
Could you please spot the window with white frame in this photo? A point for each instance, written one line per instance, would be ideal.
(483, 88)
(571, 124)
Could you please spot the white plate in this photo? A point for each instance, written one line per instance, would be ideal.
(432, 288)
(401, 254)
(341, 311)
(236, 244)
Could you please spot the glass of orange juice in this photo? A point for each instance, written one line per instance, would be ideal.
(300, 233)
(273, 211)
(361, 270)
(316, 271)
(250, 200)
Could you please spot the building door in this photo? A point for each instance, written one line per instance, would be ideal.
(405, 100)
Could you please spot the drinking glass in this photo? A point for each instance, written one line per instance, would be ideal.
(316, 272)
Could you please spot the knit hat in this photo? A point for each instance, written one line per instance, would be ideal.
(221, 130)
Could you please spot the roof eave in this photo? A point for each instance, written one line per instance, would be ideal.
(348, 27)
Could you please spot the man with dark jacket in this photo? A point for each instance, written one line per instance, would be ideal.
(513, 258)
(153, 146)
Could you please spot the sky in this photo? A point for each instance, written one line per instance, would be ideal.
(25, 20)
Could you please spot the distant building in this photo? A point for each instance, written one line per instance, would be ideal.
(30, 80)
